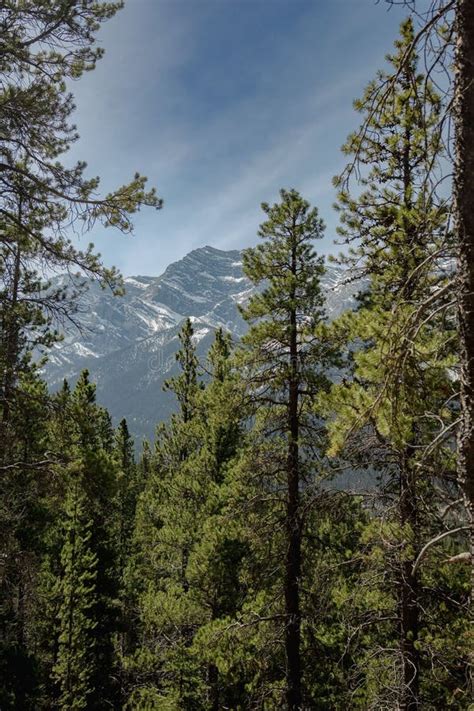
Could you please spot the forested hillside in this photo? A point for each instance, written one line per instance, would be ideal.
(221, 566)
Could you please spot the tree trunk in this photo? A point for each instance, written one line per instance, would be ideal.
(408, 598)
(409, 607)
(213, 680)
(10, 334)
(293, 524)
(464, 229)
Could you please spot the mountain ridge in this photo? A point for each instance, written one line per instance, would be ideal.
(129, 343)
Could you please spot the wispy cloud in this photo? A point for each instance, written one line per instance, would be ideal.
(221, 103)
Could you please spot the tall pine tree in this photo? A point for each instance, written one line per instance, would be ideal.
(398, 410)
(285, 361)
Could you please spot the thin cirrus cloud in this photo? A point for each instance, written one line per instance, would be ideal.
(220, 103)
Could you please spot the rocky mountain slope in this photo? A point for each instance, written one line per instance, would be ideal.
(128, 343)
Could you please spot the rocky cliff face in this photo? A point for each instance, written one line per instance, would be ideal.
(128, 343)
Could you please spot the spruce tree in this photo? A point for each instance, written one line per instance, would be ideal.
(24, 511)
(185, 385)
(92, 446)
(187, 559)
(165, 532)
(74, 666)
(128, 489)
(80, 441)
(217, 554)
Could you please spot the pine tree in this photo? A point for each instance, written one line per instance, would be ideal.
(42, 47)
(285, 361)
(401, 383)
(464, 229)
(447, 26)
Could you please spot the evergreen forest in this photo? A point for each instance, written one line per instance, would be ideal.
(222, 565)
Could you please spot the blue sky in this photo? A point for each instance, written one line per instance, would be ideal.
(220, 103)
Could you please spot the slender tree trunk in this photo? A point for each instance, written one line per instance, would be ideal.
(213, 680)
(10, 334)
(293, 557)
(464, 228)
(71, 607)
(409, 604)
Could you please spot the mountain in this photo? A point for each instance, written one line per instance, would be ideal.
(128, 343)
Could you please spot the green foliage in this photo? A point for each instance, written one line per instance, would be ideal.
(396, 411)
(44, 45)
(185, 562)
(284, 361)
(224, 569)
(76, 590)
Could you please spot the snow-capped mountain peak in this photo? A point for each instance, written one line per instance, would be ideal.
(128, 343)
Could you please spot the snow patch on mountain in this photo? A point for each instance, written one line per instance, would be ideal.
(129, 343)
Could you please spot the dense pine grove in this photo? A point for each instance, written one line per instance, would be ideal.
(225, 566)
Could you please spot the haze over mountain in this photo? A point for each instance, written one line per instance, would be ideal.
(128, 343)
